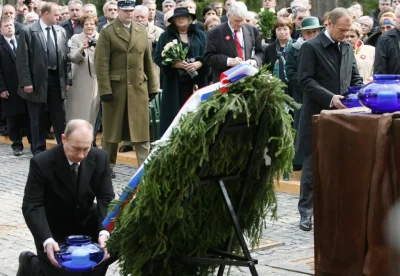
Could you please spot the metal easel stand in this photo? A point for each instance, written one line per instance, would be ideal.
(225, 257)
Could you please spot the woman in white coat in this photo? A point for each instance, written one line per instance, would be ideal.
(83, 101)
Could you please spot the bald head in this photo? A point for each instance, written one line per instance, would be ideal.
(78, 125)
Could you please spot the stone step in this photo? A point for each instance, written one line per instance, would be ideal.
(291, 186)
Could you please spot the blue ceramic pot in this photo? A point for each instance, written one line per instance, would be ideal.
(381, 95)
(79, 254)
(350, 98)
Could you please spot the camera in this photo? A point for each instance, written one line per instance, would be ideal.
(92, 43)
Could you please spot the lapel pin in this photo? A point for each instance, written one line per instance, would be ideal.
(227, 37)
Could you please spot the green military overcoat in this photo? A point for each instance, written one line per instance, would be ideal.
(124, 68)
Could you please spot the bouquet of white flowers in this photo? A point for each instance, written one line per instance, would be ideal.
(174, 52)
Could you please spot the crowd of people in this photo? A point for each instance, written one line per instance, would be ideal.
(61, 63)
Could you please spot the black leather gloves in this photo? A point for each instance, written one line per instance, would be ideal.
(152, 96)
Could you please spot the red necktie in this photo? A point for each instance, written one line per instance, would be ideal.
(74, 25)
(238, 45)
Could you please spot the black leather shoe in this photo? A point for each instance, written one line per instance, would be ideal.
(49, 136)
(112, 173)
(25, 263)
(125, 149)
(18, 152)
(305, 223)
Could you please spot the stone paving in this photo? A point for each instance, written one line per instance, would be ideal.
(292, 255)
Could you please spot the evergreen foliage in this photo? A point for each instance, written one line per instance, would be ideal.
(173, 216)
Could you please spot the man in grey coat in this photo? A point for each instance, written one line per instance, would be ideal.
(42, 73)
(326, 68)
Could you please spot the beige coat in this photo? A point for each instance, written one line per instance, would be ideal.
(83, 101)
(365, 56)
(124, 69)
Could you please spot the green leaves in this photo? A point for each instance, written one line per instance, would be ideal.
(266, 21)
(172, 215)
(173, 52)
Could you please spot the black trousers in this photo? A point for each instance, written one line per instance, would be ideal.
(15, 125)
(55, 106)
(305, 205)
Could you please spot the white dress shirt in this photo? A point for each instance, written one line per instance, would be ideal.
(240, 36)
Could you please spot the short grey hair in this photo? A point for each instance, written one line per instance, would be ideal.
(90, 5)
(169, 2)
(301, 9)
(73, 2)
(149, 2)
(366, 18)
(357, 11)
(142, 8)
(385, 1)
(108, 3)
(237, 9)
(75, 124)
(29, 15)
(339, 13)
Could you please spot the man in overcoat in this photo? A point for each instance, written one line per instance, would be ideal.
(387, 57)
(42, 74)
(73, 25)
(326, 68)
(13, 106)
(126, 77)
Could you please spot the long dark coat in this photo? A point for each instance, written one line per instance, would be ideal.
(170, 98)
(32, 65)
(125, 69)
(387, 53)
(323, 72)
(14, 105)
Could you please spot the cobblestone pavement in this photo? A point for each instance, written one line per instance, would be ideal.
(292, 254)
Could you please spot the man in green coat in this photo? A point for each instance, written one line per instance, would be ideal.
(126, 77)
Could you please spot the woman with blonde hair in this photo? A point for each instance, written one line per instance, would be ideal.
(364, 54)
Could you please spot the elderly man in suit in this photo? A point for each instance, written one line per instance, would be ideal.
(13, 106)
(233, 42)
(62, 185)
(42, 73)
(72, 25)
(126, 77)
(326, 68)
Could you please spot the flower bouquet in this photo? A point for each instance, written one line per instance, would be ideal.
(174, 52)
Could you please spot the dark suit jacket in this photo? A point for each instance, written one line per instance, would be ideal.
(14, 105)
(67, 25)
(223, 18)
(221, 45)
(323, 72)
(387, 53)
(55, 206)
(159, 18)
(32, 65)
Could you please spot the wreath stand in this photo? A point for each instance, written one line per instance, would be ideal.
(226, 257)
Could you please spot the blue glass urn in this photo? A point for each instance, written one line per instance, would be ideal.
(381, 95)
(351, 98)
(79, 254)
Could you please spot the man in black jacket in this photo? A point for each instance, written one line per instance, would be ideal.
(326, 68)
(13, 106)
(73, 25)
(42, 73)
(9, 12)
(59, 199)
(233, 42)
(387, 51)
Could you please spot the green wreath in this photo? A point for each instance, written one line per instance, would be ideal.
(171, 215)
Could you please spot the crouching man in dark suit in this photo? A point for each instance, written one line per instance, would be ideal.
(59, 199)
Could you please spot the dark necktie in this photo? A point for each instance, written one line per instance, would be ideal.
(75, 171)
(337, 45)
(14, 49)
(238, 45)
(51, 51)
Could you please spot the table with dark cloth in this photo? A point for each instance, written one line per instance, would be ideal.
(356, 157)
